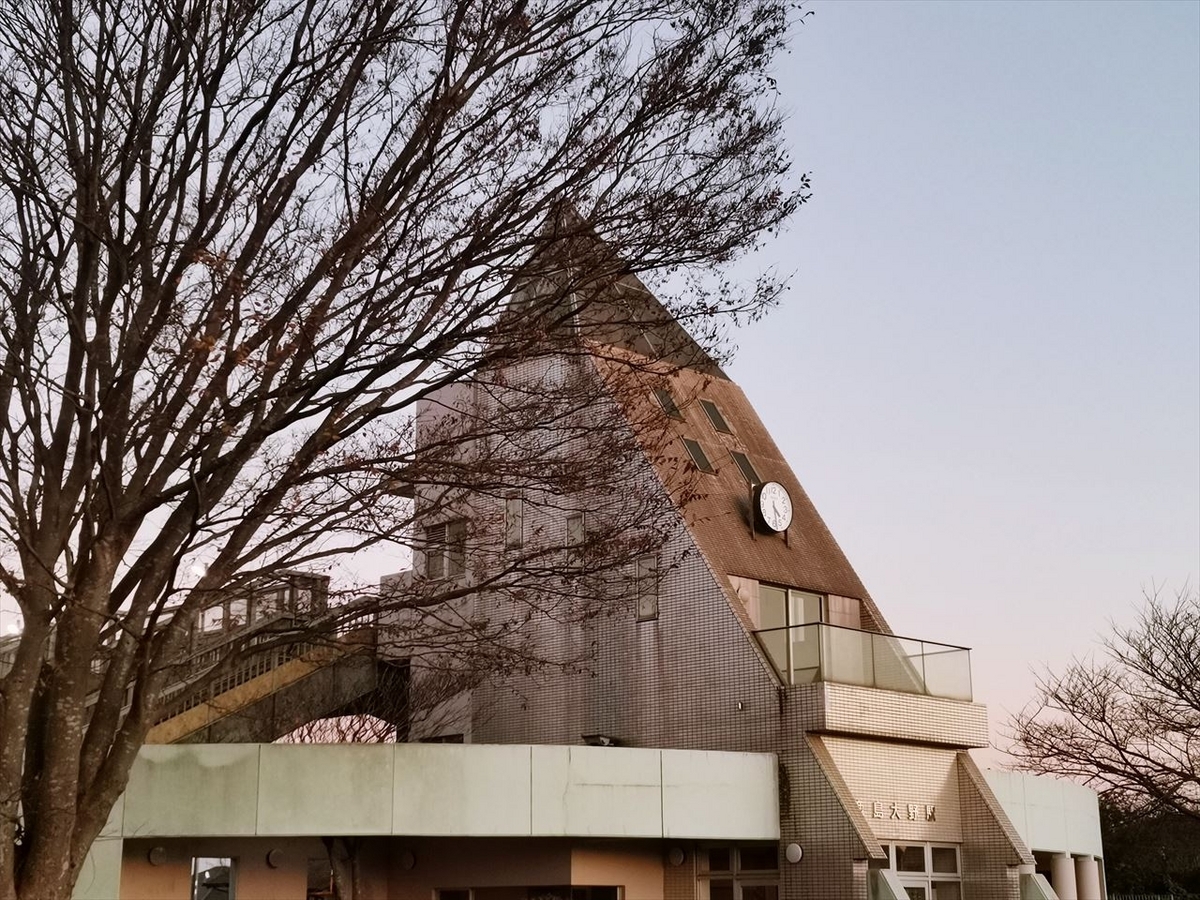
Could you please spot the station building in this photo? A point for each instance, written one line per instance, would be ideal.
(747, 726)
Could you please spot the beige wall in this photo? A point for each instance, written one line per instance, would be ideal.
(500, 868)
(254, 879)
(881, 775)
(637, 869)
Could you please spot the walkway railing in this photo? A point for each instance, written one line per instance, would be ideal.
(264, 646)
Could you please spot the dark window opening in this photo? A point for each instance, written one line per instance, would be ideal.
(320, 878)
(746, 467)
(714, 416)
(566, 892)
(446, 549)
(758, 859)
(667, 402)
(647, 589)
(576, 529)
(212, 878)
(699, 457)
(514, 523)
(442, 739)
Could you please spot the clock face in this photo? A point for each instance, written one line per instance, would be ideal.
(774, 506)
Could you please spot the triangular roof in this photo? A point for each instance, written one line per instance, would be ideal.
(577, 281)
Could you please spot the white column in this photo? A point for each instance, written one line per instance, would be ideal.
(1087, 878)
(1062, 876)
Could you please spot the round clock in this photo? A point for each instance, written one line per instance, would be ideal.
(773, 506)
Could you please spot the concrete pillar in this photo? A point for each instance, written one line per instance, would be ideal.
(1087, 878)
(1062, 876)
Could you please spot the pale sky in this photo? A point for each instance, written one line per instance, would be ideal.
(986, 373)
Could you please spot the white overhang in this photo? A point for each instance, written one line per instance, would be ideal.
(450, 790)
(1050, 814)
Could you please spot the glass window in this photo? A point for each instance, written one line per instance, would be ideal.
(720, 859)
(212, 619)
(739, 873)
(268, 604)
(917, 861)
(304, 598)
(945, 859)
(514, 522)
(805, 608)
(445, 549)
(715, 417)
(772, 607)
(212, 878)
(237, 612)
(744, 465)
(758, 859)
(435, 557)
(320, 878)
(647, 588)
(910, 859)
(699, 457)
(576, 529)
(667, 402)
(456, 548)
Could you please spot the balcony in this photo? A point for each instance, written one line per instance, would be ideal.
(803, 654)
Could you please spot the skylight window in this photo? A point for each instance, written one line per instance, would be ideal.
(699, 457)
(747, 468)
(714, 416)
(667, 402)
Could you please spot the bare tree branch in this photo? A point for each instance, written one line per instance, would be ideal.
(242, 246)
(1128, 724)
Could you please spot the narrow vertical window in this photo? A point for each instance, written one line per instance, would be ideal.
(514, 523)
(576, 529)
(435, 555)
(456, 548)
(445, 549)
(715, 417)
(699, 457)
(667, 402)
(746, 467)
(647, 588)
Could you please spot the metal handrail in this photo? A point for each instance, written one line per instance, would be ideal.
(882, 634)
(868, 663)
(258, 663)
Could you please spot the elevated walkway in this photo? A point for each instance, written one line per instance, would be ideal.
(256, 687)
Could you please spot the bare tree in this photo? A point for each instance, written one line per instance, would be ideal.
(242, 240)
(1128, 724)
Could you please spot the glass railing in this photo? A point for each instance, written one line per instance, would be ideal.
(806, 653)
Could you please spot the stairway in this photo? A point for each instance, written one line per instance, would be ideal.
(271, 689)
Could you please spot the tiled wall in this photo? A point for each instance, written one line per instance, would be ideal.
(909, 717)
(695, 679)
(905, 792)
(991, 849)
